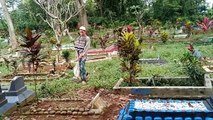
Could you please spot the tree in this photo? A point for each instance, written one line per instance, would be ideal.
(13, 41)
(82, 14)
(139, 11)
(58, 13)
(169, 10)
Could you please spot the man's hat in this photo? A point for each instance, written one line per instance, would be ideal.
(82, 28)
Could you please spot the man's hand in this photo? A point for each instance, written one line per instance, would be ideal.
(80, 56)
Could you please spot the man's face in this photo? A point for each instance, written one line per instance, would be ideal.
(82, 32)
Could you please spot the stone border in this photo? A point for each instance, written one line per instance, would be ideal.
(168, 91)
(95, 107)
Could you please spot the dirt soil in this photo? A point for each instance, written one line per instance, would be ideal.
(114, 102)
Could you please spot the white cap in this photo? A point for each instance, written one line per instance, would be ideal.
(82, 28)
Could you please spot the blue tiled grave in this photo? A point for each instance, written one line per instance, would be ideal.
(168, 110)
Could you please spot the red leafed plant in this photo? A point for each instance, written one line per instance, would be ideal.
(205, 24)
(31, 49)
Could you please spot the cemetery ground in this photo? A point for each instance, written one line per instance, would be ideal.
(103, 76)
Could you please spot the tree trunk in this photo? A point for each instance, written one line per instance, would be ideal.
(82, 14)
(11, 30)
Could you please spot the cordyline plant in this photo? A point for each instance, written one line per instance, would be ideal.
(31, 49)
(205, 24)
(164, 36)
(129, 49)
(188, 26)
(104, 40)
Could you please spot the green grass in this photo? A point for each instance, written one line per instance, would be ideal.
(55, 88)
(4, 70)
(105, 74)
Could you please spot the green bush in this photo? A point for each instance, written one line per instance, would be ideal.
(66, 55)
(193, 68)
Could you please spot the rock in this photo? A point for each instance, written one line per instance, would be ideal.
(87, 109)
(57, 112)
(72, 109)
(40, 112)
(46, 112)
(69, 112)
(27, 113)
(52, 111)
(91, 112)
(74, 113)
(81, 109)
(79, 113)
(63, 112)
(85, 113)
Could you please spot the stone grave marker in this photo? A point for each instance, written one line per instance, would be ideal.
(18, 93)
(5, 107)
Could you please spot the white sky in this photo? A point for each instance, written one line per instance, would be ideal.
(210, 2)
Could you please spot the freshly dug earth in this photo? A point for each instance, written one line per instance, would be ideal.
(114, 102)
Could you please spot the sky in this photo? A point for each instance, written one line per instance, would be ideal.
(210, 2)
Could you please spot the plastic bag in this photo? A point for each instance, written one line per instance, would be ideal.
(76, 70)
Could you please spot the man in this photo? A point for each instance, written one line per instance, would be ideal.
(82, 45)
(195, 53)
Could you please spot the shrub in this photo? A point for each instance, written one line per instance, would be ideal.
(31, 49)
(129, 50)
(66, 55)
(164, 36)
(193, 68)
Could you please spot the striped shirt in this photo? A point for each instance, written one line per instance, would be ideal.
(82, 45)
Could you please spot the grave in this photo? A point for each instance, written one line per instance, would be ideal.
(166, 91)
(5, 107)
(152, 61)
(180, 36)
(168, 110)
(73, 106)
(18, 93)
(111, 50)
(65, 47)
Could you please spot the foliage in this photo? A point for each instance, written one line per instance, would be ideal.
(104, 40)
(164, 36)
(129, 51)
(66, 55)
(56, 87)
(11, 62)
(169, 10)
(52, 40)
(205, 24)
(188, 26)
(31, 49)
(94, 43)
(90, 31)
(193, 67)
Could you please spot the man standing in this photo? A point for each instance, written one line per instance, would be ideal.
(82, 45)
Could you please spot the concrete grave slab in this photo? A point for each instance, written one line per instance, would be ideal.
(18, 93)
(180, 36)
(152, 61)
(167, 91)
(5, 107)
